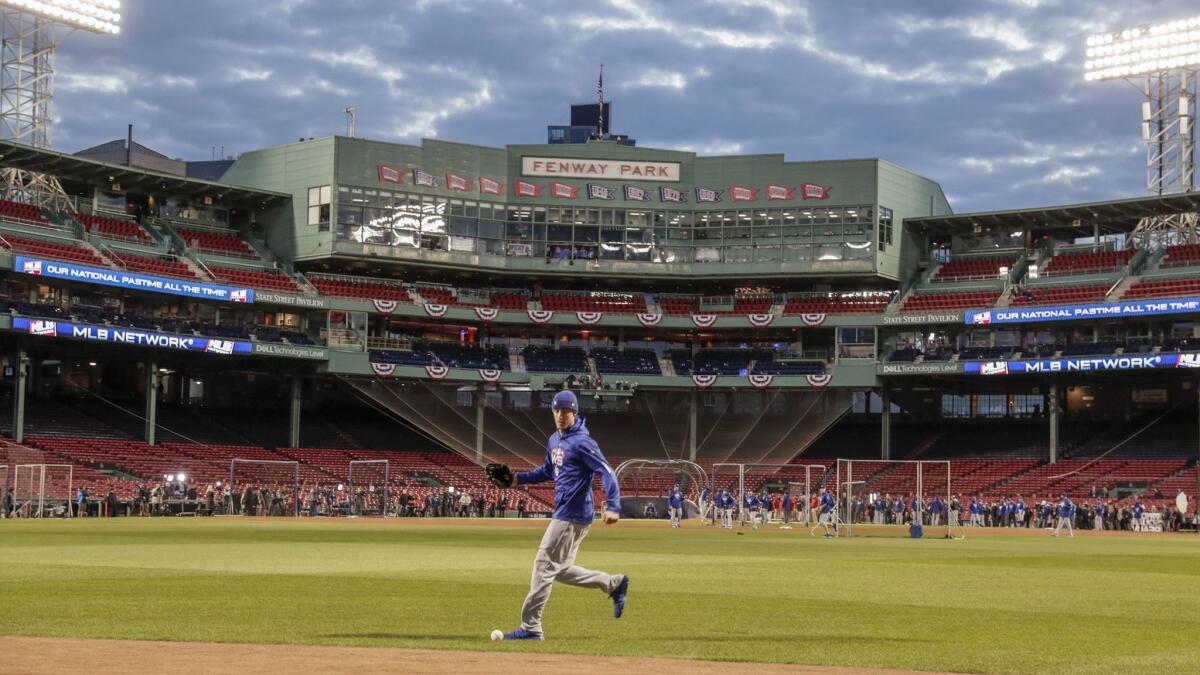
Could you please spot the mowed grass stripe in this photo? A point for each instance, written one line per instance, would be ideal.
(1008, 604)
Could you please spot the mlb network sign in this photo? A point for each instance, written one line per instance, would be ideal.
(106, 277)
(565, 167)
(1083, 364)
(126, 336)
(1069, 312)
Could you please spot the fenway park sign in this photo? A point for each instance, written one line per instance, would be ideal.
(565, 167)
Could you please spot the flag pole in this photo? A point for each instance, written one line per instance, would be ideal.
(600, 94)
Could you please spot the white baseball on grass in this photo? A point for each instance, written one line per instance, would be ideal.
(497, 635)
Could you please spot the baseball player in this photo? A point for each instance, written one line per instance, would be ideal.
(935, 511)
(572, 459)
(1138, 510)
(1066, 513)
(826, 517)
(675, 505)
(1098, 513)
(751, 504)
(705, 505)
(725, 505)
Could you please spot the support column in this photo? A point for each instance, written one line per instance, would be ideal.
(151, 401)
(693, 424)
(1052, 409)
(295, 403)
(480, 398)
(20, 378)
(885, 441)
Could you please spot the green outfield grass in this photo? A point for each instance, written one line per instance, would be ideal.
(986, 604)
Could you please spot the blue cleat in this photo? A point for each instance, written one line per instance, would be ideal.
(522, 634)
(618, 596)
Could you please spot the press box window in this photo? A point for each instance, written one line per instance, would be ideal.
(319, 199)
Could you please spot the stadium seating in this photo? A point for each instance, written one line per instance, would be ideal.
(609, 303)
(1181, 256)
(551, 360)
(628, 362)
(39, 248)
(217, 242)
(925, 302)
(456, 355)
(163, 265)
(347, 287)
(273, 280)
(1163, 288)
(112, 228)
(679, 306)
(839, 303)
(1059, 295)
(22, 213)
(415, 357)
(1087, 263)
(962, 269)
(510, 300)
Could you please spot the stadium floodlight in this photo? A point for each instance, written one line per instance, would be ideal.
(1165, 59)
(33, 29)
(181, 477)
(97, 16)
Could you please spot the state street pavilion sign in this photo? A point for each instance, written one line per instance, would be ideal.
(566, 167)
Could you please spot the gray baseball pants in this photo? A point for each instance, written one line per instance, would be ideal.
(555, 561)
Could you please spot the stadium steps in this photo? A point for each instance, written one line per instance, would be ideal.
(668, 368)
(1119, 290)
(928, 443)
(993, 487)
(516, 363)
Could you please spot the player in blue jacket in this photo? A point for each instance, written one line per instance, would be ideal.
(675, 505)
(705, 505)
(572, 459)
(935, 511)
(1098, 513)
(1138, 510)
(825, 519)
(725, 504)
(751, 504)
(787, 510)
(1066, 513)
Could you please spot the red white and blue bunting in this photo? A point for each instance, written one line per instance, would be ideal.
(648, 320)
(818, 381)
(812, 320)
(385, 306)
(540, 315)
(760, 320)
(704, 320)
(487, 314)
(703, 381)
(761, 380)
(437, 372)
(383, 369)
(589, 318)
(436, 310)
(490, 375)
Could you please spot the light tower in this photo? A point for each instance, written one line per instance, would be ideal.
(1161, 60)
(32, 31)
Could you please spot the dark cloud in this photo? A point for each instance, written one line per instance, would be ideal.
(987, 98)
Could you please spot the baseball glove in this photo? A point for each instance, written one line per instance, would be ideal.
(500, 475)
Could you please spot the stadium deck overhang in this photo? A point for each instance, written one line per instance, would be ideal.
(70, 169)
(1119, 212)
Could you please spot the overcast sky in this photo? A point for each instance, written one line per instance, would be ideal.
(986, 97)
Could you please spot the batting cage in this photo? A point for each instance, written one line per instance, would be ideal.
(264, 487)
(42, 490)
(909, 493)
(648, 481)
(369, 480)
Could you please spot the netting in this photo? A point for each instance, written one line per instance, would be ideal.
(4, 491)
(648, 481)
(264, 487)
(770, 483)
(369, 480)
(42, 490)
(892, 492)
